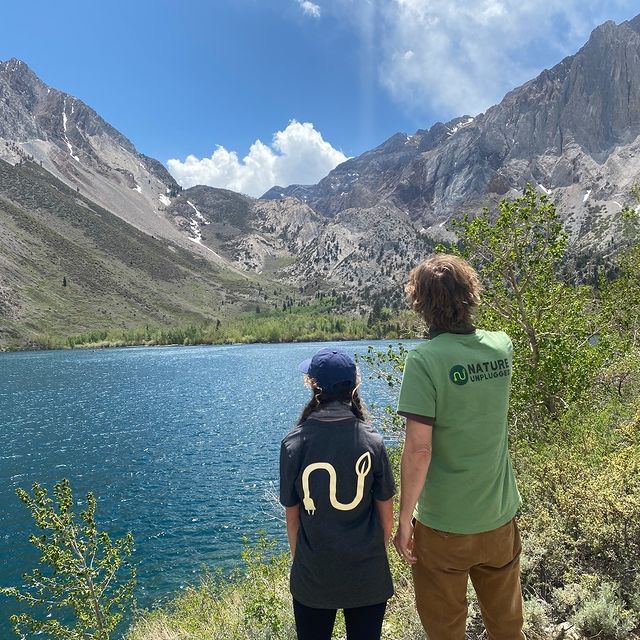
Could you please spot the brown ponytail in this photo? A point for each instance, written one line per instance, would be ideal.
(351, 395)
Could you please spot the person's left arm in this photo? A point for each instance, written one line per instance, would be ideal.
(417, 403)
(292, 515)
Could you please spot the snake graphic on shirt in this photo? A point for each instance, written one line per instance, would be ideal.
(362, 468)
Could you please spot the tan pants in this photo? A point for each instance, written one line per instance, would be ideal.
(445, 563)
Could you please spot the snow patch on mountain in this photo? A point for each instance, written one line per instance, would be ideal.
(64, 126)
(195, 222)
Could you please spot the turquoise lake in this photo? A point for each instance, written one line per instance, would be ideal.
(179, 445)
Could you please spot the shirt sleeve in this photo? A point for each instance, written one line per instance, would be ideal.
(384, 486)
(417, 393)
(288, 494)
(509, 346)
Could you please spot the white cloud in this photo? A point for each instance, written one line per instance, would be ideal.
(297, 155)
(310, 8)
(461, 56)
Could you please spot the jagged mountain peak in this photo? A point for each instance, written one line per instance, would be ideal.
(53, 111)
(573, 131)
(18, 67)
(635, 23)
(74, 143)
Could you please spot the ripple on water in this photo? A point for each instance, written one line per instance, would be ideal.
(180, 446)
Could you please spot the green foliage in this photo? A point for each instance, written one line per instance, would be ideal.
(620, 299)
(537, 615)
(388, 366)
(320, 321)
(80, 593)
(603, 616)
(265, 608)
(517, 253)
(252, 604)
(581, 513)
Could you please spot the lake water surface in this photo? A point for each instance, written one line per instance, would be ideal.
(180, 446)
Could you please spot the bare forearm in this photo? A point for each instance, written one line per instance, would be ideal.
(416, 457)
(292, 536)
(413, 472)
(385, 515)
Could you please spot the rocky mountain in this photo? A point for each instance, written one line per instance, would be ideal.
(79, 204)
(73, 143)
(68, 266)
(573, 131)
(253, 235)
(358, 250)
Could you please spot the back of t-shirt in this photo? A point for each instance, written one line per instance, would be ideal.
(335, 469)
(463, 382)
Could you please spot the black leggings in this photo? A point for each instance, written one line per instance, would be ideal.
(363, 623)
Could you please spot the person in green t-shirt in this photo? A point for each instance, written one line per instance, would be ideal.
(458, 493)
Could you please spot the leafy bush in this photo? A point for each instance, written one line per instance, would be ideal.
(253, 603)
(604, 617)
(518, 251)
(537, 615)
(80, 595)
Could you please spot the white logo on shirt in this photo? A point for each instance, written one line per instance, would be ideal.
(362, 467)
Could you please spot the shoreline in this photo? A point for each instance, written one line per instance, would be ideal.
(103, 346)
(320, 322)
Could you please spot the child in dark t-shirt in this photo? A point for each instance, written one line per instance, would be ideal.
(337, 486)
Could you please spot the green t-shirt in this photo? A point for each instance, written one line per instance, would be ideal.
(462, 381)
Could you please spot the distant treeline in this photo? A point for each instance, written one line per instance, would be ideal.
(318, 322)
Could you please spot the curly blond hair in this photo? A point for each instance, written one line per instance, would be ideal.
(444, 290)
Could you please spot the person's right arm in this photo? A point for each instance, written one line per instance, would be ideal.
(414, 464)
(289, 498)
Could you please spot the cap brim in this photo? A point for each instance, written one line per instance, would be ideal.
(304, 365)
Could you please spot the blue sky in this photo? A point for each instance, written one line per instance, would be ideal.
(207, 79)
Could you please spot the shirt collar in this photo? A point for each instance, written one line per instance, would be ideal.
(434, 332)
(333, 410)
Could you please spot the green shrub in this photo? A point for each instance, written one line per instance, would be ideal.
(570, 597)
(79, 591)
(251, 604)
(518, 251)
(537, 619)
(604, 617)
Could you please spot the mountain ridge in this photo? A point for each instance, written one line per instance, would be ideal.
(68, 266)
(573, 131)
(538, 133)
(76, 145)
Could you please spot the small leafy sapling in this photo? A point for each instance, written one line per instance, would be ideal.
(518, 251)
(86, 583)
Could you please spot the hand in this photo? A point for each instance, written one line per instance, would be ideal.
(403, 542)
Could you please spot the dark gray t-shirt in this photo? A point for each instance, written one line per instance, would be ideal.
(335, 466)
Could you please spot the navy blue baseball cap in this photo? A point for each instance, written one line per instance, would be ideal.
(332, 369)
